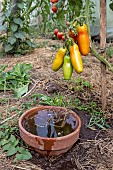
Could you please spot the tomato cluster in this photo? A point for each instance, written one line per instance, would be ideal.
(59, 34)
(77, 43)
(68, 58)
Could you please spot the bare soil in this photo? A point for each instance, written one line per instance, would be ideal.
(94, 149)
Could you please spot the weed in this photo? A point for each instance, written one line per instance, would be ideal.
(16, 79)
(109, 52)
(54, 47)
(80, 84)
(97, 117)
(42, 44)
(11, 145)
(56, 100)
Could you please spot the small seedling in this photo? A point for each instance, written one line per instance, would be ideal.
(80, 84)
(97, 117)
(16, 79)
(109, 53)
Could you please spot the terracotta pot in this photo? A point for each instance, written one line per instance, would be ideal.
(49, 146)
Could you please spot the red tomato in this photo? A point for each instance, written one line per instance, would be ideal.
(56, 31)
(53, 1)
(63, 38)
(54, 9)
(72, 35)
(59, 35)
(67, 23)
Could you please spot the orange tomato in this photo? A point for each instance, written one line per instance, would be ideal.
(83, 39)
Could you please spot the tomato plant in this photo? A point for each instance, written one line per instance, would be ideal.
(16, 20)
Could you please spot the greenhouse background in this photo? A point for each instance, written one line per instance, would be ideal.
(96, 28)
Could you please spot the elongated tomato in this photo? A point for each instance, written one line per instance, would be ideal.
(59, 59)
(67, 68)
(76, 58)
(83, 39)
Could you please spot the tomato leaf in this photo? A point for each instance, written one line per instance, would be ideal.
(14, 27)
(19, 35)
(8, 47)
(11, 40)
(18, 21)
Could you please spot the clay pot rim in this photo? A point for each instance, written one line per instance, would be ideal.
(46, 138)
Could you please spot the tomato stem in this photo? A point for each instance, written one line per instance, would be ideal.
(87, 17)
(101, 58)
(78, 18)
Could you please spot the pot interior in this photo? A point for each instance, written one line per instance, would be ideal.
(50, 123)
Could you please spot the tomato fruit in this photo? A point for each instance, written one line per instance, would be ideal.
(72, 35)
(59, 35)
(53, 1)
(76, 58)
(54, 9)
(67, 68)
(56, 31)
(67, 23)
(63, 38)
(59, 59)
(83, 39)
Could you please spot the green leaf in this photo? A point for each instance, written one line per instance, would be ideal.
(12, 138)
(19, 35)
(17, 69)
(22, 32)
(3, 28)
(18, 21)
(47, 8)
(3, 142)
(60, 16)
(26, 155)
(1, 134)
(7, 13)
(21, 5)
(6, 147)
(14, 27)
(11, 40)
(20, 91)
(30, 43)
(8, 47)
(21, 149)
(16, 142)
(11, 151)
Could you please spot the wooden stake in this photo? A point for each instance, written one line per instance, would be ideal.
(103, 47)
